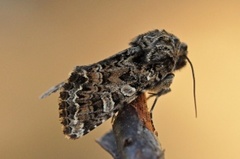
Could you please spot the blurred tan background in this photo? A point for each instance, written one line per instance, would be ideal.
(42, 41)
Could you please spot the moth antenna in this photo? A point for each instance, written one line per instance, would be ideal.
(194, 85)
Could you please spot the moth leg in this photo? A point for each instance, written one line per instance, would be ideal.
(162, 88)
(113, 118)
(162, 92)
(163, 85)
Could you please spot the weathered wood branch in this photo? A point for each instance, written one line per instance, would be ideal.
(133, 135)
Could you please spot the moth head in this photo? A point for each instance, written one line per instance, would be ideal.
(164, 51)
(181, 56)
(161, 47)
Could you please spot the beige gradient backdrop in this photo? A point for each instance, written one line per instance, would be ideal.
(41, 42)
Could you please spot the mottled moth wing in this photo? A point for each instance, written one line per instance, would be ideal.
(94, 93)
(52, 90)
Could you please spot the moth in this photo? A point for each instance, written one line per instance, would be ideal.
(93, 93)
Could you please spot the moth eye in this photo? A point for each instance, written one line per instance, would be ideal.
(183, 47)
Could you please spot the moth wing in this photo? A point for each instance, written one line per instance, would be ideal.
(91, 96)
(52, 90)
(93, 93)
(74, 129)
